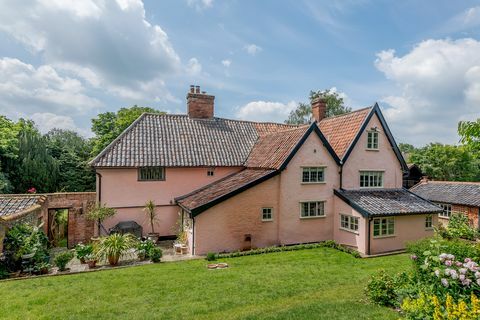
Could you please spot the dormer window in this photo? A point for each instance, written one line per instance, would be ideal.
(372, 140)
(151, 174)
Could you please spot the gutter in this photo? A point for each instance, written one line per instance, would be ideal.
(369, 236)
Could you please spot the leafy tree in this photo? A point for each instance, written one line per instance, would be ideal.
(303, 113)
(469, 132)
(446, 162)
(107, 126)
(72, 153)
(407, 150)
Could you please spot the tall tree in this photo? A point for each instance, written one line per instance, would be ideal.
(107, 126)
(469, 132)
(72, 153)
(407, 150)
(8, 150)
(446, 162)
(303, 113)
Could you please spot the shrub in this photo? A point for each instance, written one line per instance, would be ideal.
(459, 227)
(145, 246)
(3, 271)
(433, 307)
(381, 289)
(114, 246)
(211, 256)
(155, 254)
(83, 250)
(62, 259)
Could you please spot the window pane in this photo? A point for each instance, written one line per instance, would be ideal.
(313, 176)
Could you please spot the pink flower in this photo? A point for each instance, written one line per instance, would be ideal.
(448, 263)
(461, 278)
(32, 190)
(462, 270)
(444, 282)
(413, 257)
(458, 264)
(466, 282)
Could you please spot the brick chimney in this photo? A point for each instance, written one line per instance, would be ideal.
(199, 104)
(319, 108)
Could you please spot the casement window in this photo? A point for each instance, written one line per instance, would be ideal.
(383, 227)
(372, 140)
(267, 214)
(447, 210)
(371, 179)
(312, 209)
(151, 174)
(349, 223)
(210, 173)
(429, 222)
(313, 174)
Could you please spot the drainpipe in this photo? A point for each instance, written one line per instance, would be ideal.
(341, 175)
(368, 233)
(193, 236)
(99, 191)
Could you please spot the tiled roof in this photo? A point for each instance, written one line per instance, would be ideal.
(216, 191)
(463, 193)
(340, 131)
(13, 204)
(386, 202)
(270, 151)
(177, 140)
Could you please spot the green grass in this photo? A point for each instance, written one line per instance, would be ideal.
(307, 284)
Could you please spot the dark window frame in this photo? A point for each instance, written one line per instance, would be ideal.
(149, 174)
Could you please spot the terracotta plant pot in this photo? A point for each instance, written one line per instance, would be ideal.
(92, 264)
(113, 260)
(153, 237)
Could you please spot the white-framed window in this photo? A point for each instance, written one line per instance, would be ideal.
(383, 227)
(372, 140)
(312, 209)
(267, 214)
(313, 174)
(371, 179)
(429, 222)
(349, 223)
(151, 174)
(447, 210)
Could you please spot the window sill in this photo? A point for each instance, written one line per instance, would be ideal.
(383, 237)
(269, 220)
(429, 229)
(316, 217)
(320, 182)
(367, 149)
(446, 218)
(348, 230)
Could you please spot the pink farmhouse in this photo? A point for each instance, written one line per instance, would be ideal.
(234, 185)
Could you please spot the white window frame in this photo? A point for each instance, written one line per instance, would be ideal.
(349, 223)
(384, 229)
(313, 169)
(372, 176)
(372, 140)
(429, 222)
(447, 210)
(317, 206)
(263, 214)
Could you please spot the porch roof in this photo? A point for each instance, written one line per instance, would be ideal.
(19, 204)
(386, 202)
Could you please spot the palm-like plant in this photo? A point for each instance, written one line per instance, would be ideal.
(115, 246)
(151, 213)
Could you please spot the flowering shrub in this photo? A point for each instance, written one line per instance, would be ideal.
(431, 307)
(459, 227)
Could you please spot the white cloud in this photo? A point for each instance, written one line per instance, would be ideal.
(226, 63)
(194, 67)
(252, 49)
(438, 83)
(34, 89)
(200, 4)
(266, 111)
(102, 42)
(47, 121)
(465, 20)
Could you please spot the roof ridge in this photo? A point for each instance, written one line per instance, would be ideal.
(346, 114)
(451, 182)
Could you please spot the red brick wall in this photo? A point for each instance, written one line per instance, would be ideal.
(200, 106)
(471, 212)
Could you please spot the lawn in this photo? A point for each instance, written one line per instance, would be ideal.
(308, 284)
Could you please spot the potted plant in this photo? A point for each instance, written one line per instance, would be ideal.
(62, 259)
(155, 254)
(91, 260)
(114, 246)
(82, 250)
(143, 249)
(151, 214)
(99, 213)
(42, 268)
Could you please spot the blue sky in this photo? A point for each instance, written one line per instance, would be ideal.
(63, 62)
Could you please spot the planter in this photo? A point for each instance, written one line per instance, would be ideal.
(113, 260)
(153, 237)
(92, 264)
(28, 256)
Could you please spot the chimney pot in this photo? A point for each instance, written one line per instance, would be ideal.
(199, 105)
(319, 108)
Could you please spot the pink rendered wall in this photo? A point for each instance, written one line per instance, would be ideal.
(294, 229)
(122, 190)
(362, 159)
(407, 228)
(348, 238)
(223, 227)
